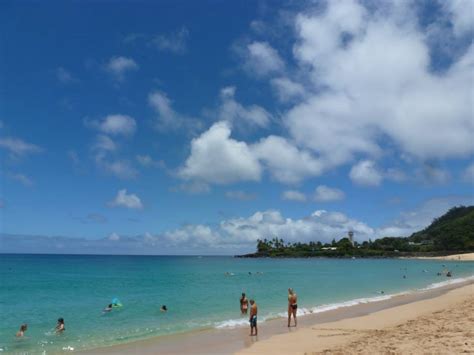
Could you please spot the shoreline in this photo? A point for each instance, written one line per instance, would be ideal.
(227, 341)
(453, 257)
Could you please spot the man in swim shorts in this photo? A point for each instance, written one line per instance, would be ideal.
(292, 305)
(253, 318)
(244, 304)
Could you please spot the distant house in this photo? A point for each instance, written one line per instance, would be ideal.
(329, 248)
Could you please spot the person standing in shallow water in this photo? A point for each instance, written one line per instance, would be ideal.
(292, 305)
(244, 304)
(253, 318)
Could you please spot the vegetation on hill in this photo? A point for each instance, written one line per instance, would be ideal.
(451, 233)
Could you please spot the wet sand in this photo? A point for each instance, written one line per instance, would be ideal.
(275, 337)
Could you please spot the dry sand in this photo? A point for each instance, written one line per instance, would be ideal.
(441, 325)
(459, 257)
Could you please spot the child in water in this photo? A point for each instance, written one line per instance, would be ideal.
(22, 330)
(60, 326)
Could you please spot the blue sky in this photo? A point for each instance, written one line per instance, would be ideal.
(184, 127)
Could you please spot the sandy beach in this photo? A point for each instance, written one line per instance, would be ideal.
(457, 257)
(442, 325)
(440, 320)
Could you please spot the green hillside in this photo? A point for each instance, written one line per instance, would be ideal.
(452, 231)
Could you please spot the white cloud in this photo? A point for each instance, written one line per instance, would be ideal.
(18, 147)
(118, 66)
(113, 237)
(216, 158)
(286, 89)
(122, 169)
(366, 173)
(64, 76)
(432, 174)
(240, 195)
(285, 162)
(324, 193)
(462, 15)
(168, 118)
(372, 83)
(115, 124)
(174, 42)
(293, 195)
(148, 161)
(126, 200)
(21, 178)
(262, 59)
(232, 111)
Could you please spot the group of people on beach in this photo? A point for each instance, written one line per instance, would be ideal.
(244, 306)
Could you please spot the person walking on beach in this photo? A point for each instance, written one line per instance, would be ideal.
(22, 330)
(253, 318)
(244, 304)
(292, 305)
(60, 326)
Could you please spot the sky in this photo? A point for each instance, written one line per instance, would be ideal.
(181, 127)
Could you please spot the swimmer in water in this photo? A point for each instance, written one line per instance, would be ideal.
(164, 308)
(244, 304)
(22, 330)
(60, 327)
(292, 305)
(108, 308)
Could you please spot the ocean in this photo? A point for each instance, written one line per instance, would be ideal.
(38, 289)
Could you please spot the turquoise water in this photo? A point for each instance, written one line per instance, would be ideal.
(38, 289)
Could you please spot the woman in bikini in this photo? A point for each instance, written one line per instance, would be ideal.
(292, 305)
(244, 304)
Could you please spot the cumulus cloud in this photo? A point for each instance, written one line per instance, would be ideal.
(218, 159)
(122, 199)
(371, 83)
(120, 168)
(174, 42)
(119, 66)
(324, 193)
(18, 147)
(115, 124)
(286, 89)
(232, 111)
(293, 195)
(167, 118)
(285, 162)
(365, 173)
(261, 59)
(461, 13)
